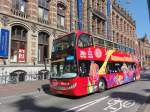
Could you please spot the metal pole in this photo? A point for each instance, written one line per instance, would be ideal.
(108, 23)
(45, 63)
(88, 16)
(71, 15)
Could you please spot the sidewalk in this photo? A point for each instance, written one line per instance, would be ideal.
(21, 88)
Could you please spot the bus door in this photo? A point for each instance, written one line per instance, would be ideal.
(89, 74)
(84, 72)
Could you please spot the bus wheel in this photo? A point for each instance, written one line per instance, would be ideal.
(134, 77)
(101, 85)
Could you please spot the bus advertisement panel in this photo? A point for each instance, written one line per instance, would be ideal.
(84, 64)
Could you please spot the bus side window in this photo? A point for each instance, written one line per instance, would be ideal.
(107, 69)
(80, 43)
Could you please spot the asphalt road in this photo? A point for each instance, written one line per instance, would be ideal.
(130, 97)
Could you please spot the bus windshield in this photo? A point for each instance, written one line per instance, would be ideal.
(64, 57)
(64, 43)
(64, 69)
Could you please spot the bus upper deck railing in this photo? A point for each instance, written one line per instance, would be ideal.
(112, 45)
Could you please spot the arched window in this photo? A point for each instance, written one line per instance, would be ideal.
(43, 42)
(61, 15)
(18, 44)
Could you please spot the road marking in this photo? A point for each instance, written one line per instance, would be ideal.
(0, 103)
(86, 105)
(115, 105)
(97, 101)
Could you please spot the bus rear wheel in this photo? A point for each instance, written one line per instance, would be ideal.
(101, 85)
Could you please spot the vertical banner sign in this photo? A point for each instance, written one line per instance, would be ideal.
(4, 43)
(79, 9)
(108, 8)
(108, 20)
(21, 56)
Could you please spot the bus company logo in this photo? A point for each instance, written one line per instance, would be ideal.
(82, 54)
(90, 54)
(98, 53)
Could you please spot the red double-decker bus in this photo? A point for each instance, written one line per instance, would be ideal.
(84, 64)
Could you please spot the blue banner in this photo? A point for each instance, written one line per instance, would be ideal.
(148, 2)
(108, 7)
(79, 9)
(4, 43)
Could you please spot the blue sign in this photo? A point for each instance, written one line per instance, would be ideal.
(69, 58)
(79, 9)
(4, 43)
(108, 7)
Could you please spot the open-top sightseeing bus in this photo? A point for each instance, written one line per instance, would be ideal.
(84, 64)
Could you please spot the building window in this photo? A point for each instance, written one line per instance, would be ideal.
(18, 44)
(103, 6)
(117, 35)
(93, 3)
(43, 9)
(19, 5)
(117, 22)
(113, 37)
(94, 24)
(61, 15)
(98, 26)
(98, 5)
(43, 43)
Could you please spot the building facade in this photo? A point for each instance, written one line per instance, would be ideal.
(123, 27)
(33, 24)
(144, 56)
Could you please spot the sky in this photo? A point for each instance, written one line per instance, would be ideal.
(139, 11)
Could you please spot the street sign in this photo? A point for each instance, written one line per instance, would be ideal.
(21, 55)
(4, 43)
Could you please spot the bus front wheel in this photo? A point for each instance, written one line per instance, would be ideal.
(101, 85)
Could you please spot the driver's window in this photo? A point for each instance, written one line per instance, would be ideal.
(85, 41)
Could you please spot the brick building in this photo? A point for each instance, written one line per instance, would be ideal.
(123, 27)
(33, 24)
(144, 56)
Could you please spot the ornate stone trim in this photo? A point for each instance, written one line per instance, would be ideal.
(4, 20)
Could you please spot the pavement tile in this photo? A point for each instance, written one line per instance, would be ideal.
(23, 87)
